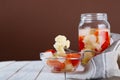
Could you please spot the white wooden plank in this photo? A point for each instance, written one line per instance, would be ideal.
(46, 74)
(5, 63)
(29, 72)
(6, 72)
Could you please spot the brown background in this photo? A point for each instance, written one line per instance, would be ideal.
(28, 27)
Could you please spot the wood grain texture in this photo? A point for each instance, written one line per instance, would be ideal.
(10, 70)
(5, 64)
(31, 70)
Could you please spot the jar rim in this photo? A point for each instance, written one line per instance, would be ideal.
(90, 16)
(93, 14)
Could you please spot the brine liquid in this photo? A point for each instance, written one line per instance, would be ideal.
(94, 39)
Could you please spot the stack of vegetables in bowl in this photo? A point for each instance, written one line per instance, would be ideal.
(60, 60)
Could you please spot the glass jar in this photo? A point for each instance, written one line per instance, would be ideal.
(94, 32)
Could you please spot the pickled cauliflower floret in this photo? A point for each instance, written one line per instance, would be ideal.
(90, 42)
(61, 43)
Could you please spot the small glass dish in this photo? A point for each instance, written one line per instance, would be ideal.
(69, 63)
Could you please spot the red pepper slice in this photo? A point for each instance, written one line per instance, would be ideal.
(73, 55)
(81, 43)
(50, 50)
(107, 41)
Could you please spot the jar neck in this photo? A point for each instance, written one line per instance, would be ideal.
(93, 16)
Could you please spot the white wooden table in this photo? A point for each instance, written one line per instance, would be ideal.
(27, 70)
(30, 70)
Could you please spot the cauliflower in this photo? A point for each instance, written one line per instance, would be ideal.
(61, 43)
(90, 42)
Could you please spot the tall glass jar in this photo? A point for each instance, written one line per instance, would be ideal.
(94, 32)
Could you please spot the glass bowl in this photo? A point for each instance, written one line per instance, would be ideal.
(69, 63)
